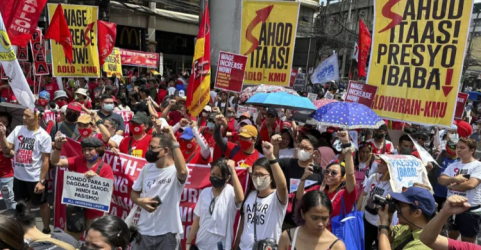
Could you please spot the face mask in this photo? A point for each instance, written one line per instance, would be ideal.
(245, 145)
(378, 136)
(151, 156)
(217, 182)
(186, 145)
(93, 159)
(137, 129)
(405, 151)
(303, 155)
(210, 125)
(108, 107)
(260, 184)
(85, 131)
(71, 117)
(42, 102)
(61, 103)
(205, 114)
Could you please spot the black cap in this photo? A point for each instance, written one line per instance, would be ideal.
(140, 118)
(272, 112)
(91, 142)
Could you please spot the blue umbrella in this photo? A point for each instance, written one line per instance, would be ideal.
(349, 115)
(281, 100)
(473, 95)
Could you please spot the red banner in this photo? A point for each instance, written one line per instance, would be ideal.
(293, 77)
(22, 53)
(460, 105)
(364, 43)
(139, 59)
(38, 52)
(230, 72)
(106, 42)
(21, 18)
(27, 69)
(361, 93)
(126, 170)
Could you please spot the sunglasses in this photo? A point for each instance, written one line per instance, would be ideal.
(331, 172)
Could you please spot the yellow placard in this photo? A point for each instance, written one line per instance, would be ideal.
(417, 58)
(113, 64)
(268, 36)
(85, 60)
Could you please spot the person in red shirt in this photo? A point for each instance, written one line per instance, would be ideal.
(6, 169)
(161, 94)
(43, 99)
(379, 143)
(270, 124)
(90, 164)
(193, 145)
(244, 154)
(7, 92)
(60, 99)
(85, 128)
(137, 144)
(208, 131)
(204, 117)
(49, 84)
(81, 96)
(173, 117)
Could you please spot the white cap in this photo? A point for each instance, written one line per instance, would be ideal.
(63, 109)
(208, 108)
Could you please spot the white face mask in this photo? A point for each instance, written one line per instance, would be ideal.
(261, 184)
(303, 155)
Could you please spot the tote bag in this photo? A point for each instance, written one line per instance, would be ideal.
(349, 227)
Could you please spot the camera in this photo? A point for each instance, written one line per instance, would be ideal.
(316, 169)
(382, 202)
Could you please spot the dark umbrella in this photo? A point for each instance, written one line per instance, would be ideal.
(15, 111)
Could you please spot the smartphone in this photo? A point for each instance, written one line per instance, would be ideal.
(159, 202)
(467, 176)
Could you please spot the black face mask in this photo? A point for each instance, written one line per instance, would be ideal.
(71, 117)
(217, 182)
(378, 136)
(151, 156)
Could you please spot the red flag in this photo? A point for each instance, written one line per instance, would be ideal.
(107, 35)
(198, 90)
(59, 32)
(364, 48)
(21, 18)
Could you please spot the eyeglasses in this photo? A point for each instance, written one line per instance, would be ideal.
(331, 172)
(262, 176)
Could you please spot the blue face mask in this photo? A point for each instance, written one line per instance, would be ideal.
(210, 125)
(109, 107)
(93, 159)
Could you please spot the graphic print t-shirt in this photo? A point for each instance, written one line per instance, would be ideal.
(374, 186)
(473, 169)
(29, 147)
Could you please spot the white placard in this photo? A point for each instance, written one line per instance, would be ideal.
(426, 157)
(405, 170)
(328, 95)
(294, 184)
(312, 96)
(92, 193)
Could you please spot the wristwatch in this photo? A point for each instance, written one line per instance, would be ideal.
(383, 227)
(177, 145)
(43, 182)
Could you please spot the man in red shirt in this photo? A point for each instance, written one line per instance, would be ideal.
(49, 84)
(244, 154)
(137, 144)
(173, 117)
(379, 143)
(270, 124)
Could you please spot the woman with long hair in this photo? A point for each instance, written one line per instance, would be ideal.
(264, 209)
(312, 215)
(11, 234)
(215, 211)
(110, 233)
(339, 180)
(362, 164)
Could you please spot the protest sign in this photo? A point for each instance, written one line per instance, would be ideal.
(112, 64)
(22, 53)
(300, 81)
(85, 61)
(230, 72)
(293, 77)
(328, 95)
(312, 96)
(126, 170)
(251, 110)
(38, 52)
(405, 170)
(139, 58)
(27, 68)
(417, 59)
(360, 93)
(426, 157)
(92, 193)
(268, 35)
(460, 105)
(161, 64)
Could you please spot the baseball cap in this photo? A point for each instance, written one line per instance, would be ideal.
(44, 95)
(271, 111)
(248, 131)
(246, 122)
(208, 108)
(419, 197)
(74, 107)
(187, 134)
(140, 118)
(246, 114)
(85, 119)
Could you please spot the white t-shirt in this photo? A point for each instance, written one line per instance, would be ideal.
(117, 139)
(164, 183)
(473, 169)
(206, 240)
(286, 153)
(29, 147)
(373, 186)
(270, 215)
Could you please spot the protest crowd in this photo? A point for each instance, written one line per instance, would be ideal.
(136, 159)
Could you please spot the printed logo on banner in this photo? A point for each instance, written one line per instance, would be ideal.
(113, 64)
(22, 53)
(139, 59)
(268, 35)
(38, 52)
(230, 72)
(420, 86)
(85, 61)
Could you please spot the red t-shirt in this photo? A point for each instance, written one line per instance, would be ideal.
(91, 86)
(6, 169)
(208, 137)
(349, 200)
(202, 123)
(7, 93)
(78, 164)
(199, 160)
(240, 158)
(265, 136)
(160, 96)
(51, 88)
(460, 245)
(138, 148)
(389, 147)
(86, 103)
